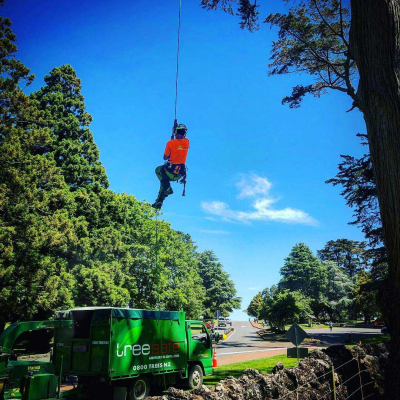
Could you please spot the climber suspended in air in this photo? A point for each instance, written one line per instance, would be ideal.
(177, 148)
(174, 169)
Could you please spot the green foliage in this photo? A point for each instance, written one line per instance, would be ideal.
(350, 255)
(255, 306)
(313, 38)
(303, 271)
(286, 306)
(365, 296)
(246, 10)
(359, 189)
(220, 290)
(336, 300)
(323, 289)
(35, 225)
(62, 106)
(65, 239)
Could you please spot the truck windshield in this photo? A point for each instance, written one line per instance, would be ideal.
(197, 331)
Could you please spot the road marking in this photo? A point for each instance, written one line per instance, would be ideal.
(252, 351)
(243, 326)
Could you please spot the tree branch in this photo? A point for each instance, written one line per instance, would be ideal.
(341, 25)
(322, 59)
(324, 20)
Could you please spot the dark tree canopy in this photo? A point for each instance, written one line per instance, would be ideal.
(359, 189)
(314, 38)
(244, 9)
(350, 255)
(62, 107)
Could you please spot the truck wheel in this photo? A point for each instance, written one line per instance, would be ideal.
(139, 388)
(195, 377)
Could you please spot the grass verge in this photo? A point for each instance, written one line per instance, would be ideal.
(370, 339)
(264, 365)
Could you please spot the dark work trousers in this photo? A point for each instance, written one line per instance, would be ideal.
(165, 175)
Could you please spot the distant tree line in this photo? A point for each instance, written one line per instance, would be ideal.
(66, 240)
(337, 285)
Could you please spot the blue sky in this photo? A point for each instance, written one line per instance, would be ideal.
(256, 168)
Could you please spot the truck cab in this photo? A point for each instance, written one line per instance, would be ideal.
(200, 345)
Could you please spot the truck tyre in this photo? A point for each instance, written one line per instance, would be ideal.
(139, 388)
(195, 377)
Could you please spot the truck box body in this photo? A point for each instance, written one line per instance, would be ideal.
(118, 343)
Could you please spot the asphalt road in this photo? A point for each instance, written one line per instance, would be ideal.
(339, 335)
(245, 339)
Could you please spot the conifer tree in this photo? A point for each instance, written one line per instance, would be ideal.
(74, 150)
(35, 203)
(303, 272)
(220, 290)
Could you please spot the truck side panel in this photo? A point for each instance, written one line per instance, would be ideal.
(100, 345)
(147, 345)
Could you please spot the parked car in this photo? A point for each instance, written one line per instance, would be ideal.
(221, 321)
(229, 321)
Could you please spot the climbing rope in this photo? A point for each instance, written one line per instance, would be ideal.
(176, 107)
(159, 299)
(177, 59)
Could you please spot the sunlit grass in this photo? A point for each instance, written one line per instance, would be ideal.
(264, 365)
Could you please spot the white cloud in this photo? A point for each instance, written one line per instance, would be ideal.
(213, 232)
(262, 207)
(255, 288)
(253, 185)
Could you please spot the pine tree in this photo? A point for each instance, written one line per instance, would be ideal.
(74, 150)
(303, 272)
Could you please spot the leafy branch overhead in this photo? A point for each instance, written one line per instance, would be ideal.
(313, 37)
(245, 9)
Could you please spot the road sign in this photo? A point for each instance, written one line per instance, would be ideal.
(296, 334)
(297, 352)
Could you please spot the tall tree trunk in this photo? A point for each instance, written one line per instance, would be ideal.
(375, 44)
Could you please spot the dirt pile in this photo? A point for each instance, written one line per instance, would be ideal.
(358, 372)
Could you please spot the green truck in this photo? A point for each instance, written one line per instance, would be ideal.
(115, 353)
